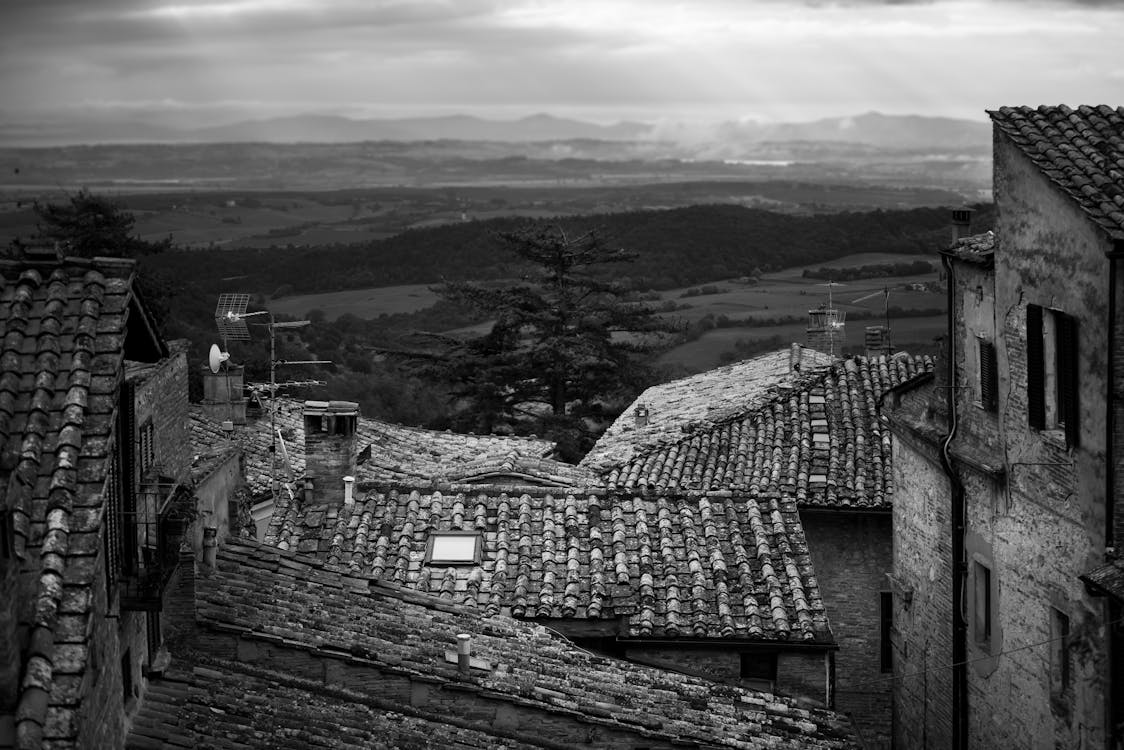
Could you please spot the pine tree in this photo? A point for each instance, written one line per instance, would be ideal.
(566, 344)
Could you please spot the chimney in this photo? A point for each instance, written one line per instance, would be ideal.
(222, 394)
(210, 546)
(348, 490)
(877, 341)
(329, 447)
(464, 652)
(641, 415)
(795, 355)
(961, 223)
(826, 332)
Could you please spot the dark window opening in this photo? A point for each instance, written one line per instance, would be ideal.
(982, 601)
(1052, 384)
(759, 665)
(1059, 653)
(127, 675)
(886, 622)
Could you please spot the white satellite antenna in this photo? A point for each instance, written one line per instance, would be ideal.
(230, 318)
(216, 357)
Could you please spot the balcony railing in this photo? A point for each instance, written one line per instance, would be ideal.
(151, 532)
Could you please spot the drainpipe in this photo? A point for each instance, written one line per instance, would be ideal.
(959, 516)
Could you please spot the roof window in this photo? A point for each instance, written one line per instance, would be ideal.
(453, 548)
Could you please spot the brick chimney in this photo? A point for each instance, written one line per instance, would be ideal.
(826, 333)
(329, 447)
(961, 223)
(222, 394)
(877, 341)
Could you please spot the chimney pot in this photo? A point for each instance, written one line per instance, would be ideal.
(348, 490)
(961, 223)
(641, 415)
(464, 652)
(210, 546)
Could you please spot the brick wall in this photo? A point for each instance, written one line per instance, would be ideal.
(161, 396)
(215, 496)
(852, 553)
(922, 571)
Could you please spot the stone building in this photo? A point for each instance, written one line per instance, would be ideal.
(90, 462)
(804, 429)
(1004, 495)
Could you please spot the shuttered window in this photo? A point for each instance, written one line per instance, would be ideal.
(1035, 369)
(1066, 328)
(989, 376)
(1051, 371)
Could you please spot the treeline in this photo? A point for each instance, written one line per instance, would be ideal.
(869, 271)
(677, 247)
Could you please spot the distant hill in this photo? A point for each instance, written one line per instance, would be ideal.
(874, 130)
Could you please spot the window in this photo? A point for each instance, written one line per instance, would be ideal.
(759, 668)
(1059, 653)
(453, 548)
(886, 623)
(1051, 371)
(146, 449)
(989, 375)
(982, 603)
(127, 674)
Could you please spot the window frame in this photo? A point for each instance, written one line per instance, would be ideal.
(988, 374)
(1061, 664)
(431, 543)
(885, 631)
(1052, 372)
(983, 604)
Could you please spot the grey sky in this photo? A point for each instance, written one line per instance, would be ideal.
(200, 61)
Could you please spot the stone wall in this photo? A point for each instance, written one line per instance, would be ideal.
(161, 397)
(922, 592)
(852, 553)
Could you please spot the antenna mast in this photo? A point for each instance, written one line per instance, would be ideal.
(230, 318)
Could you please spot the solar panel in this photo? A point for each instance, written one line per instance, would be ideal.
(228, 317)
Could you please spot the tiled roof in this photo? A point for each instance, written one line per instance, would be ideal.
(815, 440)
(716, 565)
(1081, 150)
(64, 325)
(978, 249)
(1108, 579)
(286, 598)
(707, 398)
(397, 453)
(223, 705)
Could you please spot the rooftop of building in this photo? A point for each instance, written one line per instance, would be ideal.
(68, 326)
(706, 565)
(295, 602)
(691, 403)
(1080, 150)
(978, 249)
(812, 437)
(387, 452)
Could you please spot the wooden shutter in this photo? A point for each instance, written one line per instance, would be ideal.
(989, 376)
(1035, 369)
(1066, 327)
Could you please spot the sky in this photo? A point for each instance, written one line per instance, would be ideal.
(199, 62)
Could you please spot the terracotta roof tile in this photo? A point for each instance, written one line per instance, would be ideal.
(61, 358)
(815, 439)
(257, 592)
(1080, 150)
(1107, 579)
(698, 400)
(710, 565)
(397, 453)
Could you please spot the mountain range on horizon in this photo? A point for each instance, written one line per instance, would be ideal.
(898, 132)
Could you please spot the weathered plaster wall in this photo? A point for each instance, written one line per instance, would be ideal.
(161, 396)
(1047, 526)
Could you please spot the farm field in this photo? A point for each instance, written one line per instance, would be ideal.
(364, 303)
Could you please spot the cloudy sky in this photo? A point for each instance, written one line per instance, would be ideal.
(206, 61)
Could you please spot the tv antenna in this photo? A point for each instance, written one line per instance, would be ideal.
(827, 322)
(230, 319)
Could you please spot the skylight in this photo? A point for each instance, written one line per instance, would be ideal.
(454, 548)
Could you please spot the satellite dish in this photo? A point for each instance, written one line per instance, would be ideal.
(217, 357)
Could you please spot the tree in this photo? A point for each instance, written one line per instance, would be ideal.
(565, 348)
(88, 225)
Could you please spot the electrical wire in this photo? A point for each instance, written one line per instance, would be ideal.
(899, 678)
